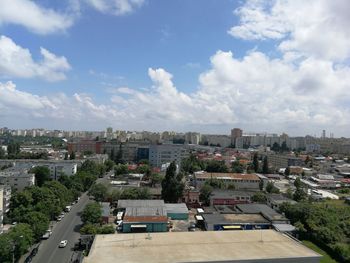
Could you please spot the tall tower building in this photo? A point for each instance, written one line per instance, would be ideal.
(235, 133)
(323, 134)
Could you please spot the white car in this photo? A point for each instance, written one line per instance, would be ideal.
(63, 243)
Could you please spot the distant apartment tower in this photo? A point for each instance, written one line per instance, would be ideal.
(166, 153)
(235, 133)
(323, 134)
(192, 137)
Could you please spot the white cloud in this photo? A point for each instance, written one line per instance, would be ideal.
(116, 7)
(255, 92)
(34, 17)
(318, 28)
(17, 61)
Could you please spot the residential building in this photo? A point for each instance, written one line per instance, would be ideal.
(82, 146)
(235, 133)
(166, 153)
(5, 196)
(278, 161)
(192, 137)
(18, 179)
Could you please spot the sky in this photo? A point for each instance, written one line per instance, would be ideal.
(200, 65)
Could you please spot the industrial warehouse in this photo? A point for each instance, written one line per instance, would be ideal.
(149, 215)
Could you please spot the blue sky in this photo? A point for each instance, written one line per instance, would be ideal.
(175, 65)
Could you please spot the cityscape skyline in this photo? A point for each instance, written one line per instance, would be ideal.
(221, 64)
(321, 134)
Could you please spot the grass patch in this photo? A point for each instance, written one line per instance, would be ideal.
(326, 258)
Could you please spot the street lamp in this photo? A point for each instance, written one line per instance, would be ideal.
(13, 249)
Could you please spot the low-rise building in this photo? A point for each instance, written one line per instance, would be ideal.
(230, 197)
(276, 200)
(143, 215)
(241, 181)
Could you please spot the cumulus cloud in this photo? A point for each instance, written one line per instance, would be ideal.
(255, 92)
(35, 18)
(318, 28)
(115, 7)
(17, 61)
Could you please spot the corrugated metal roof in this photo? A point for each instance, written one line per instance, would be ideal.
(140, 203)
(176, 208)
(145, 219)
(146, 211)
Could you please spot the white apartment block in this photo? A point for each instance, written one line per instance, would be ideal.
(56, 167)
(5, 196)
(17, 179)
(166, 153)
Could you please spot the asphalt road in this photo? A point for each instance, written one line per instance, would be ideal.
(67, 229)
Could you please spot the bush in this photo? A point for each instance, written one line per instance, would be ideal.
(106, 229)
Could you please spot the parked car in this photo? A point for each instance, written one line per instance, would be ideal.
(63, 243)
(34, 251)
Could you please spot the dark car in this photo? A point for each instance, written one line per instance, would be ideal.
(34, 251)
(28, 259)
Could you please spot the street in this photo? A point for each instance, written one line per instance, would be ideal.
(67, 229)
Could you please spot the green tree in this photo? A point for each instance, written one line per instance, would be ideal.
(215, 183)
(172, 186)
(143, 193)
(114, 195)
(2, 153)
(90, 167)
(106, 229)
(98, 191)
(89, 229)
(256, 162)
(42, 174)
(261, 184)
(214, 166)
(121, 169)
(237, 167)
(92, 213)
(275, 147)
(204, 194)
(13, 149)
(297, 183)
(156, 178)
(299, 195)
(259, 197)
(109, 165)
(270, 188)
(284, 147)
(38, 221)
(144, 169)
(22, 238)
(265, 169)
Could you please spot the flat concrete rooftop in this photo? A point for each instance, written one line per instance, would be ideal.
(207, 246)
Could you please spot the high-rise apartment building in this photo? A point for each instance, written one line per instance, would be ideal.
(235, 133)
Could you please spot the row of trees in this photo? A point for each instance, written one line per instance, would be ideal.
(34, 207)
(326, 224)
(101, 193)
(91, 218)
(193, 164)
